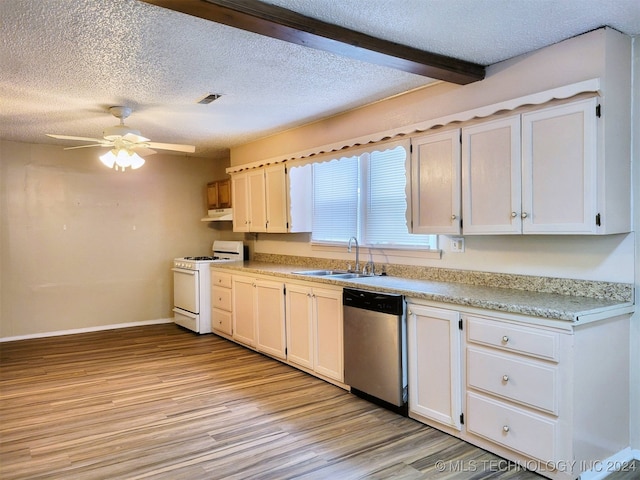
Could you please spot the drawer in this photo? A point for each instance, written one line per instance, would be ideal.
(522, 380)
(530, 434)
(220, 279)
(221, 321)
(221, 298)
(515, 338)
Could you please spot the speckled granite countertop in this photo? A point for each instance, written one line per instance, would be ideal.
(554, 306)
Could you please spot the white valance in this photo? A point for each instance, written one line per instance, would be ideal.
(318, 153)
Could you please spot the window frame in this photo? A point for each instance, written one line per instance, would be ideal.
(363, 167)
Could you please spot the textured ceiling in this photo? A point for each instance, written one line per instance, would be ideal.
(64, 62)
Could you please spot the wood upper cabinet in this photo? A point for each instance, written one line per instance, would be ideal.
(435, 183)
(491, 177)
(219, 194)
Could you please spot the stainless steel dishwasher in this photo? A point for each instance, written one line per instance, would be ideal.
(375, 358)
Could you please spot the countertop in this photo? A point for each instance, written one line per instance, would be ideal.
(552, 306)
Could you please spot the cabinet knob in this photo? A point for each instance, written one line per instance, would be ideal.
(514, 214)
(505, 429)
(524, 215)
(505, 339)
(454, 216)
(505, 378)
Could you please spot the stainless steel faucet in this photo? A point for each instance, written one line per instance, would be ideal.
(354, 239)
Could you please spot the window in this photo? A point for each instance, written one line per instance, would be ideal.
(365, 196)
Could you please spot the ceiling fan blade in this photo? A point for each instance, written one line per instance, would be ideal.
(173, 146)
(68, 137)
(87, 146)
(144, 151)
(133, 138)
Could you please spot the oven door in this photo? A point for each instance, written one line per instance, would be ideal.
(186, 290)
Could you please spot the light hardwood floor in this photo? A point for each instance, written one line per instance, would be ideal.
(162, 402)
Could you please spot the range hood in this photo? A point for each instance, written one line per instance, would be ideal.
(219, 215)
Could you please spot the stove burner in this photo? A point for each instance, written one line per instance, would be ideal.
(200, 258)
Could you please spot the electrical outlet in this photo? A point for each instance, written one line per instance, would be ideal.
(457, 244)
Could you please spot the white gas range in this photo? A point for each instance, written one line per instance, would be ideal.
(192, 285)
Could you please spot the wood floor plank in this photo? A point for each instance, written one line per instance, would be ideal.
(161, 402)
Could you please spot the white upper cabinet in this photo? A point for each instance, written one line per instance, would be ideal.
(276, 198)
(240, 202)
(435, 183)
(249, 206)
(558, 169)
(543, 172)
(491, 179)
(257, 206)
(271, 200)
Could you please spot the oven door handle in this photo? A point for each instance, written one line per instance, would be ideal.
(179, 270)
(185, 313)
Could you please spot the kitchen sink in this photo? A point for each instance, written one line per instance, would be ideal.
(348, 275)
(330, 273)
(320, 273)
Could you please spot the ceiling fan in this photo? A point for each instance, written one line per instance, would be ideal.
(127, 145)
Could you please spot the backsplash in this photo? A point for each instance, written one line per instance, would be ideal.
(564, 286)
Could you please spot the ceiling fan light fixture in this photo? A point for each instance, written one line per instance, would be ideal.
(121, 159)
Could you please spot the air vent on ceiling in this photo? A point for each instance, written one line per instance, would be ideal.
(209, 98)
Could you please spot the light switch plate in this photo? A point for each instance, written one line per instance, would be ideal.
(457, 244)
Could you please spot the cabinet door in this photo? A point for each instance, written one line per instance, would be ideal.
(212, 195)
(559, 162)
(244, 310)
(224, 194)
(240, 199)
(300, 189)
(491, 177)
(435, 183)
(328, 333)
(276, 198)
(257, 207)
(300, 325)
(269, 307)
(434, 364)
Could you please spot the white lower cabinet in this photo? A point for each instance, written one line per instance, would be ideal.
(221, 303)
(314, 329)
(433, 342)
(550, 397)
(258, 314)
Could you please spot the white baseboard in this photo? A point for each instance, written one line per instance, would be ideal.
(87, 329)
(618, 462)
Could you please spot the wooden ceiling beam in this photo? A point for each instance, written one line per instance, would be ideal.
(277, 22)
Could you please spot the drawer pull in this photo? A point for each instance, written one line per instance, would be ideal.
(505, 378)
(505, 429)
(505, 339)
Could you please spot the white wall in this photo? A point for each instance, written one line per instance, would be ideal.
(635, 320)
(84, 246)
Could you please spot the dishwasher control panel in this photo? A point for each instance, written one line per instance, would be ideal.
(375, 301)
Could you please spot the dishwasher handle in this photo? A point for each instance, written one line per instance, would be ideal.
(375, 301)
